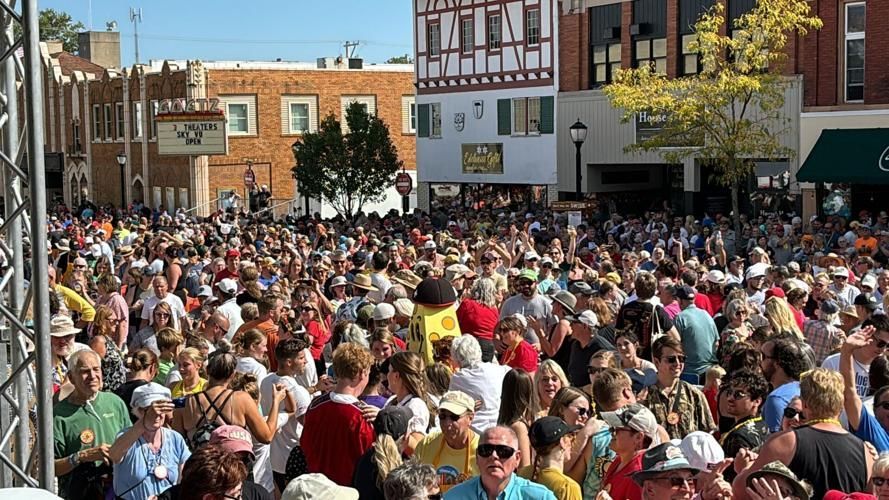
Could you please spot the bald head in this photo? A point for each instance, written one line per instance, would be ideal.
(501, 434)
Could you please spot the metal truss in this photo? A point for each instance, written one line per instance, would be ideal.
(26, 437)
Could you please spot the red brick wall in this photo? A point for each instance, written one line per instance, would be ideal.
(574, 34)
(271, 147)
(876, 72)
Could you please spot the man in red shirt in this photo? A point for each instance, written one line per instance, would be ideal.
(633, 428)
(232, 261)
(336, 434)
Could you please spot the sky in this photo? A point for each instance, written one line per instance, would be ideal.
(254, 30)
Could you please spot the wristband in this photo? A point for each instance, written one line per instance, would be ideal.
(74, 459)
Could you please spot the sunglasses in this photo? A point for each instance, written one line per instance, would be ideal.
(582, 412)
(486, 262)
(503, 452)
(881, 344)
(677, 481)
(79, 267)
(675, 359)
(448, 416)
(736, 394)
(879, 481)
(792, 413)
(162, 315)
(883, 406)
(594, 370)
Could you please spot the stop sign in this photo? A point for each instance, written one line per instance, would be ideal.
(403, 184)
(249, 177)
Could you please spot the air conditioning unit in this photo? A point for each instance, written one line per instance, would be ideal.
(640, 29)
(326, 63)
(611, 33)
(356, 63)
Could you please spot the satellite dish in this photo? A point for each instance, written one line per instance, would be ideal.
(111, 25)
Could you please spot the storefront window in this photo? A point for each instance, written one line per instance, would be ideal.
(507, 197)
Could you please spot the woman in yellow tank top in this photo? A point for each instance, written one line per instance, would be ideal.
(190, 365)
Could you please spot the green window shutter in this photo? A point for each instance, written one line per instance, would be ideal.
(547, 115)
(504, 117)
(422, 120)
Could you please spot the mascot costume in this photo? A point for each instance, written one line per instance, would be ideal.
(434, 324)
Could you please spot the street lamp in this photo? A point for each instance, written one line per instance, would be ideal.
(578, 135)
(122, 161)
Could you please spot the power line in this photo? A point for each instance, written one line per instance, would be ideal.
(264, 41)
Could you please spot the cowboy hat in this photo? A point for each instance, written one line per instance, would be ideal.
(363, 282)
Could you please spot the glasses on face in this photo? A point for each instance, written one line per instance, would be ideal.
(883, 406)
(485, 262)
(236, 496)
(736, 394)
(879, 481)
(306, 309)
(581, 412)
(594, 370)
(677, 481)
(881, 344)
(162, 315)
(79, 267)
(503, 452)
(791, 413)
(676, 359)
(444, 416)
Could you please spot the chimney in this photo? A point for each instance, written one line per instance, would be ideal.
(100, 47)
(54, 46)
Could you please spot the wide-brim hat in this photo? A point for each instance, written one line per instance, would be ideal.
(363, 282)
(662, 458)
(62, 326)
(407, 278)
(566, 299)
(779, 469)
(125, 251)
(831, 260)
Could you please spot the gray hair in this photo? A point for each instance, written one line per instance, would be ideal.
(733, 307)
(484, 291)
(353, 333)
(75, 360)
(499, 428)
(409, 481)
(397, 291)
(466, 351)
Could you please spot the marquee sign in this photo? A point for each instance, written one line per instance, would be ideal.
(191, 127)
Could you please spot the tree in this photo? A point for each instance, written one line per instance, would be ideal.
(57, 25)
(731, 110)
(351, 169)
(405, 59)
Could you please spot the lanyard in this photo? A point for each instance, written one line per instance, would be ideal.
(738, 426)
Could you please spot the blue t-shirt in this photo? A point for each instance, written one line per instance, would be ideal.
(869, 429)
(600, 459)
(517, 489)
(134, 477)
(773, 410)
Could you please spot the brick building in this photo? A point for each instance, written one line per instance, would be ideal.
(92, 118)
(597, 37)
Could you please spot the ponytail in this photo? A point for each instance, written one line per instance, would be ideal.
(386, 456)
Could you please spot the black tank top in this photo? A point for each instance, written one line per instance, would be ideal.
(829, 461)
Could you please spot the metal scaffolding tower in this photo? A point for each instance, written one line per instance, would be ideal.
(26, 438)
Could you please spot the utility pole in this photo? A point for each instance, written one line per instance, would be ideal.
(350, 46)
(136, 18)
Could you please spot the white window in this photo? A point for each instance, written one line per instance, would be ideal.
(240, 114)
(120, 129)
(532, 25)
(652, 52)
(153, 124)
(433, 39)
(494, 36)
(526, 116)
(108, 122)
(137, 120)
(299, 114)
(854, 51)
(75, 132)
(97, 122)
(368, 102)
(467, 36)
(408, 114)
(435, 116)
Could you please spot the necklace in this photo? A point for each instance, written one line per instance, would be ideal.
(155, 465)
(738, 426)
(834, 421)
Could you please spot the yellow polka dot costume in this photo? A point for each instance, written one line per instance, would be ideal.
(434, 323)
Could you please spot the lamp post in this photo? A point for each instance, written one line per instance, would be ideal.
(122, 161)
(578, 135)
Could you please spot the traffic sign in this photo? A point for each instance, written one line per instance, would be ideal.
(404, 184)
(249, 177)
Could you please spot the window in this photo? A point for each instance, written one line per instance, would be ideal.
(433, 40)
(526, 116)
(108, 122)
(854, 50)
(652, 52)
(97, 122)
(413, 118)
(689, 63)
(299, 117)
(76, 135)
(494, 32)
(408, 114)
(368, 102)
(153, 124)
(532, 27)
(467, 36)
(429, 120)
(137, 120)
(237, 118)
(118, 120)
(436, 119)
(606, 61)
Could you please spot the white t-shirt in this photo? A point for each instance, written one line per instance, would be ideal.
(482, 382)
(310, 377)
(232, 311)
(289, 428)
(175, 305)
(247, 364)
(862, 376)
(420, 421)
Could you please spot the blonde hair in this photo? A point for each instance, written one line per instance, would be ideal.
(386, 456)
(194, 355)
(550, 367)
(781, 318)
(822, 392)
(100, 325)
(249, 311)
(714, 372)
(881, 464)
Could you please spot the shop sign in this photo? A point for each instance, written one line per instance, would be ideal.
(446, 190)
(568, 206)
(191, 134)
(482, 158)
(649, 125)
(884, 160)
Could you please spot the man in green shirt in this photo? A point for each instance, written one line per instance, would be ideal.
(85, 424)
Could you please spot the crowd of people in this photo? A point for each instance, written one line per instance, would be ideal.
(468, 355)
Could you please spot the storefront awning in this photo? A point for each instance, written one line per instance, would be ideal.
(855, 156)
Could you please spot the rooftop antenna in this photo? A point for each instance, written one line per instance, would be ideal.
(350, 46)
(111, 25)
(136, 18)
(89, 13)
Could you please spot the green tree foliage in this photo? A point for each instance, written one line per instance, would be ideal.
(347, 170)
(57, 25)
(733, 106)
(405, 59)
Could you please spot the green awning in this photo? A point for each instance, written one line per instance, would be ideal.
(854, 156)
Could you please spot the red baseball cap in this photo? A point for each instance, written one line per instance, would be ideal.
(232, 253)
(775, 292)
(232, 439)
(839, 495)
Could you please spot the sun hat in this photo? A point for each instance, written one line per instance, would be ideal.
(404, 307)
(145, 395)
(456, 402)
(566, 299)
(777, 468)
(338, 281)
(364, 282)
(383, 312)
(457, 271)
(664, 457)
(317, 487)
(62, 326)
(407, 278)
(588, 318)
(715, 276)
